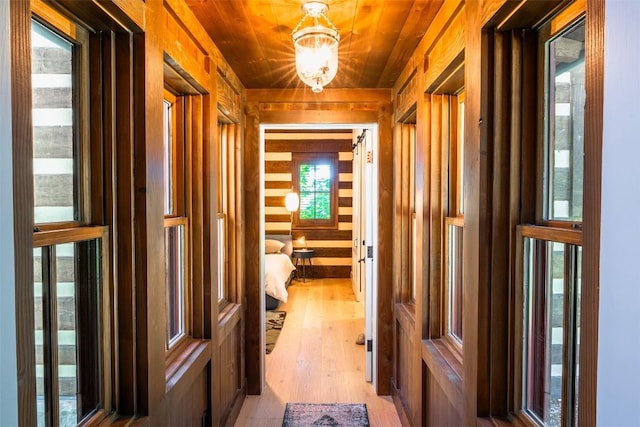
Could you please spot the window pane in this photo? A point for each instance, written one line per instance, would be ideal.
(307, 206)
(564, 157)
(322, 177)
(544, 335)
(323, 206)
(307, 178)
(67, 319)
(66, 304)
(175, 279)
(168, 159)
(454, 273)
(578, 299)
(315, 191)
(54, 165)
(460, 166)
(222, 258)
(39, 331)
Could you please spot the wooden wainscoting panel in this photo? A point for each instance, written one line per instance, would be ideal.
(438, 410)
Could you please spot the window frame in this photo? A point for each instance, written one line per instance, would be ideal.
(178, 217)
(83, 228)
(566, 232)
(299, 159)
(52, 238)
(549, 32)
(453, 217)
(78, 37)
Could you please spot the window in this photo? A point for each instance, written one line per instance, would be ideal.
(55, 144)
(552, 284)
(454, 222)
(315, 180)
(226, 133)
(68, 292)
(71, 292)
(175, 223)
(564, 123)
(552, 249)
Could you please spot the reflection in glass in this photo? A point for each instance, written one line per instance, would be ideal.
(551, 328)
(454, 275)
(67, 330)
(564, 155)
(175, 281)
(168, 157)
(39, 336)
(315, 191)
(54, 166)
(66, 310)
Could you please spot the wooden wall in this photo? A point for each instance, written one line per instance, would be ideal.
(468, 47)
(332, 248)
(135, 48)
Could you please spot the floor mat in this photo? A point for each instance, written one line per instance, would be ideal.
(325, 414)
(274, 322)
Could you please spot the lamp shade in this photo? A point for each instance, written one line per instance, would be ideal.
(291, 201)
(315, 39)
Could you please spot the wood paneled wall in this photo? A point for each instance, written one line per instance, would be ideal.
(332, 248)
(136, 48)
(470, 45)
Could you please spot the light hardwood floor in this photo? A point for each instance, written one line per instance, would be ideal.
(316, 359)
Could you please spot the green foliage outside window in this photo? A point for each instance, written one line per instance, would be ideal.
(315, 191)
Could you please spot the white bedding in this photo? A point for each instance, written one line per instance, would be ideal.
(277, 269)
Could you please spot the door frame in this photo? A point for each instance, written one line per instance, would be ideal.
(371, 313)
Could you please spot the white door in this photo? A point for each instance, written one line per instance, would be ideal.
(369, 209)
(357, 256)
(365, 223)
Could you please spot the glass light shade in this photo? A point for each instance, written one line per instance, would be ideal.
(291, 201)
(315, 39)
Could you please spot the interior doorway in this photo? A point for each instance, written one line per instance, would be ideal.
(363, 212)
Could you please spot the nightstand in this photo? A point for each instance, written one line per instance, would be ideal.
(305, 255)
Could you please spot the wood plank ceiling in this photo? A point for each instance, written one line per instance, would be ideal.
(377, 37)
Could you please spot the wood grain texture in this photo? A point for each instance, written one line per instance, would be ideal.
(316, 359)
(252, 295)
(594, 69)
(148, 204)
(377, 38)
(385, 250)
(121, 50)
(22, 147)
(473, 194)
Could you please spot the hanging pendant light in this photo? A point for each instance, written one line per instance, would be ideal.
(316, 43)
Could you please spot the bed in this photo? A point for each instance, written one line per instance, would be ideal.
(278, 269)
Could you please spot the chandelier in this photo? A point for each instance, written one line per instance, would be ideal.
(316, 42)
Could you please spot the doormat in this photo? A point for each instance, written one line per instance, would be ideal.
(274, 322)
(325, 414)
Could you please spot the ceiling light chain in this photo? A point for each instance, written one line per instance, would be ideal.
(315, 39)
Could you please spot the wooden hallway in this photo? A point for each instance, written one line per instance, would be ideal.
(316, 358)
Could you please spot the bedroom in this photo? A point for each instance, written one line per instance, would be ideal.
(286, 149)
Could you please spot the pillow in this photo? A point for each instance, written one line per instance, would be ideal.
(272, 246)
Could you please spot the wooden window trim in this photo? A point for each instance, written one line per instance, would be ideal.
(179, 215)
(316, 158)
(568, 232)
